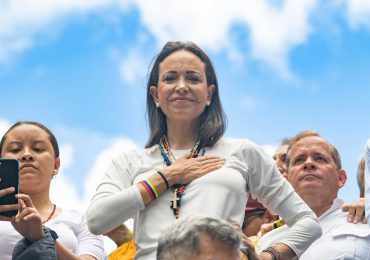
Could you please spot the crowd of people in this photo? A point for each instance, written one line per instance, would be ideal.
(193, 193)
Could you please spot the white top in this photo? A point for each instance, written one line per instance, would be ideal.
(72, 233)
(367, 181)
(222, 193)
(340, 239)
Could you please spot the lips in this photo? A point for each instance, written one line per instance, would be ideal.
(27, 165)
(182, 99)
(309, 174)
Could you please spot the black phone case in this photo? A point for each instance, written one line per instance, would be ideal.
(9, 178)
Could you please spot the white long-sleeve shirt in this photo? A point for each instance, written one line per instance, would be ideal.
(222, 193)
(367, 181)
(340, 240)
(72, 232)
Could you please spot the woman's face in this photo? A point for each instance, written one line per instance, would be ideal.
(182, 92)
(31, 146)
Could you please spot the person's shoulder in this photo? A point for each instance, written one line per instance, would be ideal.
(337, 222)
(350, 229)
(235, 142)
(70, 215)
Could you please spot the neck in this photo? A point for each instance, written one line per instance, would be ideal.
(319, 205)
(42, 203)
(182, 136)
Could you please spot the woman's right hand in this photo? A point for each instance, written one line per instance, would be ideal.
(8, 207)
(186, 169)
(28, 222)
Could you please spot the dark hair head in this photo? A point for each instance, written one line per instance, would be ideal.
(51, 136)
(212, 124)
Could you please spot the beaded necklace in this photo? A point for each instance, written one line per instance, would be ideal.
(51, 214)
(168, 157)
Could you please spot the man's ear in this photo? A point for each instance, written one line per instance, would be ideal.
(210, 90)
(342, 178)
(154, 93)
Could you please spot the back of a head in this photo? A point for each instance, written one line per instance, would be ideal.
(181, 240)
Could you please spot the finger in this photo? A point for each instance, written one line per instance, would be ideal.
(187, 155)
(21, 204)
(351, 214)
(6, 191)
(25, 198)
(209, 157)
(8, 207)
(32, 215)
(345, 207)
(360, 212)
(364, 220)
(24, 213)
(4, 218)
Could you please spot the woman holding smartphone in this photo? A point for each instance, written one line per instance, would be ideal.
(36, 149)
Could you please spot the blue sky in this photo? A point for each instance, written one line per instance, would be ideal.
(283, 66)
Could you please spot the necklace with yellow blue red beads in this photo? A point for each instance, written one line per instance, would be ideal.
(169, 158)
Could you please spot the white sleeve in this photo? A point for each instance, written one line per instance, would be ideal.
(267, 185)
(116, 198)
(89, 244)
(367, 181)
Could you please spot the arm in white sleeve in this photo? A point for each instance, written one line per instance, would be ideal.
(116, 199)
(89, 244)
(273, 191)
(367, 181)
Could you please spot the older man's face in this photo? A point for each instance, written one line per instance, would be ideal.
(312, 169)
(280, 159)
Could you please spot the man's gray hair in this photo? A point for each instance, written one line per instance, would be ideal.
(182, 238)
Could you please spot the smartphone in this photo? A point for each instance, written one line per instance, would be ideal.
(9, 178)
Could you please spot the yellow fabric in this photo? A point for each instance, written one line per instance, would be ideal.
(125, 252)
(243, 256)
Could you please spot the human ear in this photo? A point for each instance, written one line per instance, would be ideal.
(56, 165)
(210, 90)
(342, 178)
(154, 93)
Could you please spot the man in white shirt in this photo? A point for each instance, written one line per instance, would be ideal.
(315, 172)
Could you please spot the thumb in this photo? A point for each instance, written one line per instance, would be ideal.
(187, 155)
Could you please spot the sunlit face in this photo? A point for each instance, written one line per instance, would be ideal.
(312, 168)
(31, 146)
(280, 159)
(182, 92)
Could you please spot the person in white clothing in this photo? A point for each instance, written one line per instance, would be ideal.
(188, 168)
(315, 172)
(367, 181)
(36, 149)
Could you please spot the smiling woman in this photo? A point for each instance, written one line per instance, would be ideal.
(36, 149)
(189, 168)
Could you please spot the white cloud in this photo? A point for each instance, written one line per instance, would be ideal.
(269, 148)
(101, 162)
(4, 125)
(21, 20)
(358, 12)
(132, 67)
(274, 29)
(63, 192)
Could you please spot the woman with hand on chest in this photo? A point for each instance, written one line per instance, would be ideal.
(188, 167)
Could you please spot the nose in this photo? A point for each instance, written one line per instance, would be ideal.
(181, 87)
(26, 155)
(309, 164)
